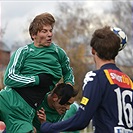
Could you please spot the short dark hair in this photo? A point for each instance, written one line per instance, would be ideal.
(64, 92)
(39, 21)
(58, 90)
(106, 43)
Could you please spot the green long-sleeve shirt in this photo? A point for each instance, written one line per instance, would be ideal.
(28, 61)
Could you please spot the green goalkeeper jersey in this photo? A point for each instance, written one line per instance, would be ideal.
(28, 61)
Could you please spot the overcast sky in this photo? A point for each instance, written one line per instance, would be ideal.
(15, 15)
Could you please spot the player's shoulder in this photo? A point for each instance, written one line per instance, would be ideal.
(58, 49)
(55, 45)
(106, 68)
(21, 49)
(95, 76)
(94, 73)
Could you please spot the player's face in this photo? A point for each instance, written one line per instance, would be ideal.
(43, 37)
(61, 109)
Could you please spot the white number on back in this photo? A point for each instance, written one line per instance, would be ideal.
(124, 107)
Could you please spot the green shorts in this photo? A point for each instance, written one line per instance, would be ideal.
(16, 113)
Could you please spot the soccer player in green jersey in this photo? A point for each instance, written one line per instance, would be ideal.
(33, 70)
(56, 103)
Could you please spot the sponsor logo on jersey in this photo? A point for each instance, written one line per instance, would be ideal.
(119, 78)
(84, 101)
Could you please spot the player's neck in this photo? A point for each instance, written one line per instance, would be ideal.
(100, 63)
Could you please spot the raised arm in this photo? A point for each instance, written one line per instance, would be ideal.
(67, 71)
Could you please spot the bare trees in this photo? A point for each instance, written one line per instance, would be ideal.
(74, 27)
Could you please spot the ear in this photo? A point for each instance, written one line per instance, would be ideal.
(54, 97)
(93, 51)
(33, 36)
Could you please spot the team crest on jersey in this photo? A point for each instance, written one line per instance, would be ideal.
(84, 101)
(119, 78)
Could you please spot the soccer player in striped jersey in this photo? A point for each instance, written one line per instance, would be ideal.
(33, 70)
(107, 92)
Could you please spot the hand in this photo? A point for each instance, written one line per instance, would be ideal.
(45, 80)
(41, 115)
